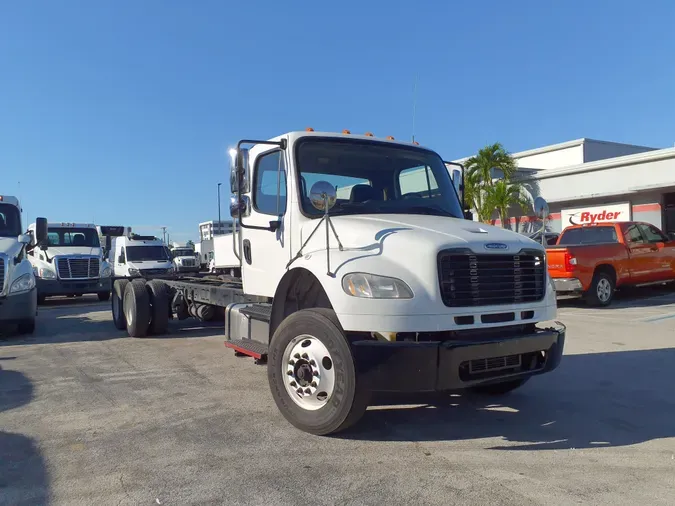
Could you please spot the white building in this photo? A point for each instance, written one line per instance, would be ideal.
(587, 179)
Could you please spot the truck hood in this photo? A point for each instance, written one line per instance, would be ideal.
(73, 250)
(10, 246)
(417, 232)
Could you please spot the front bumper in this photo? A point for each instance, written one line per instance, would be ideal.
(194, 268)
(52, 287)
(567, 285)
(455, 365)
(17, 308)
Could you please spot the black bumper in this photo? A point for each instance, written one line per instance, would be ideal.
(18, 308)
(53, 287)
(455, 365)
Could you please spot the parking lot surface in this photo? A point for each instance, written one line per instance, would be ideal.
(90, 416)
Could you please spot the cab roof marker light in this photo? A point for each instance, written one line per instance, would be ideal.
(369, 134)
(390, 138)
(309, 129)
(346, 132)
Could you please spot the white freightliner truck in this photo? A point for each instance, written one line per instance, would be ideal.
(383, 289)
(70, 262)
(18, 293)
(184, 258)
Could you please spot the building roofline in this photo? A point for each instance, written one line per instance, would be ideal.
(619, 161)
(565, 145)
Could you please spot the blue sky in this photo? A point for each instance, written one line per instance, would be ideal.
(122, 112)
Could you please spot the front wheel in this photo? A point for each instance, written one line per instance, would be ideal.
(311, 373)
(26, 327)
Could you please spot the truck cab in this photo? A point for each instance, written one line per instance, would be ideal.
(184, 259)
(376, 280)
(70, 262)
(136, 255)
(18, 292)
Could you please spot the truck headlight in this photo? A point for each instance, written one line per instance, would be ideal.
(23, 283)
(46, 273)
(133, 272)
(106, 272)
(371, 286)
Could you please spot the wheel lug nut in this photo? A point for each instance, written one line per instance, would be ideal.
(290, 373)
(308, 391)
(299, 390)
(297, 355)
(315, 373)
(291, 362)
(294, 384)
(305, 356)
(314, 384)
(311, 362)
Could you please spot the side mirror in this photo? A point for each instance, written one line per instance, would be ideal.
(239, 171)
(40, 230)
(468, 215)
(240, 208)
(25, 239)
(457, 182)
(120, 259)
(323, 196)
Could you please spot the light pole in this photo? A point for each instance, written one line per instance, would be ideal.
(219, 204)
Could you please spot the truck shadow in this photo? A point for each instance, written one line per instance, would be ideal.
(23, 475)
(590, 401)
(629, 297)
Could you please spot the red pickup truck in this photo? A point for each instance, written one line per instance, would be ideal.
(593, 260)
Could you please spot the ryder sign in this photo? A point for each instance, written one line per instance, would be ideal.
(596, 214)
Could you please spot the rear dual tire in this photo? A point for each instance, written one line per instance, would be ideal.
(317, 408)
(140, 307)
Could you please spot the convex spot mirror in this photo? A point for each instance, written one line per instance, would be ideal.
(541, 209)
(323, 194)
(240, 208)
(239, 173)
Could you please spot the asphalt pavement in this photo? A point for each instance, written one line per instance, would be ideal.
(91, 416)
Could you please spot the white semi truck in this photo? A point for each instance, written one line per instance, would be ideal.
(18, 293)
(383, 289)
(224, 259)
(70, 262)
(184, 258)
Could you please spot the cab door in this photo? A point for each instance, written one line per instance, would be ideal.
(661, 253)
(639, 260)
(265, 253)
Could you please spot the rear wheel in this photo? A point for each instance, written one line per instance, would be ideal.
(119, 319)
(499, 388)
(103, 296)
(159, 306)
(311, 373)
(137, 308)
(601, 291)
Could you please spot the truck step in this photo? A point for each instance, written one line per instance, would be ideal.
(260, 312)
(249, 348)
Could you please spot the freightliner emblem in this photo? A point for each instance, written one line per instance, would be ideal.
(496, 245)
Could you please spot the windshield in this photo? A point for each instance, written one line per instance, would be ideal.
(590, 235)
(183, 253)
(10, 221)
(87, 237)
(376, 178)
(150, 253)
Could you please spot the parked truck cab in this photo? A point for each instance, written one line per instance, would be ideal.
(185, 259)
(70, 262)
(18, 293)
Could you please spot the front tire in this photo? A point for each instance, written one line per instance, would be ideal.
(496, 389)
(311, 373)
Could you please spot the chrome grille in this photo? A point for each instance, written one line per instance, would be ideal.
(468, 279)
(188, 262)
(2, 274)
(78, 267)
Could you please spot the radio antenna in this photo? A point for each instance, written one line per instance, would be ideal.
(414, 107)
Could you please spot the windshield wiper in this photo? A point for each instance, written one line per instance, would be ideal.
(434, 211)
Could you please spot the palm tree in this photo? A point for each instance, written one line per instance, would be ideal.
(503, 195)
